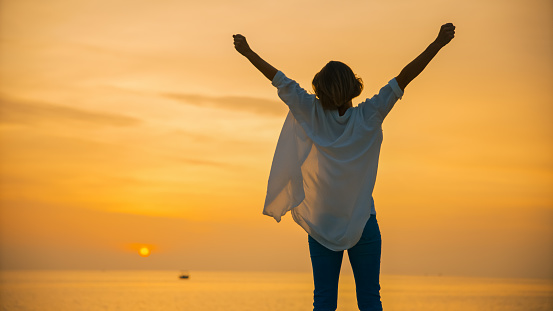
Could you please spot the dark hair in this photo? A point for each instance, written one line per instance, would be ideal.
(336, 84)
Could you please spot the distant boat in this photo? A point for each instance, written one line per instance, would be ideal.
(184, 275)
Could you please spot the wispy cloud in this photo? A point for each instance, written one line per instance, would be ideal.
(206, 163)
(242, 103)
(25, 112)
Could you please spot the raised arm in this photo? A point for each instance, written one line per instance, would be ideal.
(414, 68)
(241, 45)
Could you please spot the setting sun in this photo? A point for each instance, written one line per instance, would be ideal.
(144, 252)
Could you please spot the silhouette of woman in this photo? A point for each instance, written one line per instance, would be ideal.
(325, 164)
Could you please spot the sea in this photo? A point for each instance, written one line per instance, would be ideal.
(259, 291)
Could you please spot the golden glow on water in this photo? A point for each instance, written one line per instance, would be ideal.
(260, 291)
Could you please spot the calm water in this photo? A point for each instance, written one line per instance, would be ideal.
(209, 290)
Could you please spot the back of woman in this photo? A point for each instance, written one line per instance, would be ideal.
(325, 166)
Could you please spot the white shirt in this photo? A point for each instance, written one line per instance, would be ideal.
(324, 167)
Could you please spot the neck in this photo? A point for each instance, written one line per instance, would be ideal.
(342, 110)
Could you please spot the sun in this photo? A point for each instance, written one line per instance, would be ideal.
(144, 252)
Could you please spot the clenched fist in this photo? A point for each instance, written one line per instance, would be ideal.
(241, 45)
(447, 33)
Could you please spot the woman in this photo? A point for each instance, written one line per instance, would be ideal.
(325, 165)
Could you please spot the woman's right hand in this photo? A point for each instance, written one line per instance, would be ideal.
(241, 45)
(447, 33)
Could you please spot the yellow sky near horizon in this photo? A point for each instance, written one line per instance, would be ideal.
(133, 108)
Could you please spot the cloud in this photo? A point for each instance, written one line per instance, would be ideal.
(206, 163)
(25, 112)
(242, 103)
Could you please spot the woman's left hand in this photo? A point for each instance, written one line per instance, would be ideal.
(447, 33)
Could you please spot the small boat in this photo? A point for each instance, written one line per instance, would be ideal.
(184, 275)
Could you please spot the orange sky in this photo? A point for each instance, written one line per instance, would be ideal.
(125, 123)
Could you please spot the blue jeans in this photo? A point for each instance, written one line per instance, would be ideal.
(365, 263)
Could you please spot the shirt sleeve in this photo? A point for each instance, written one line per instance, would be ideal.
(294, 96)
(383, 102)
